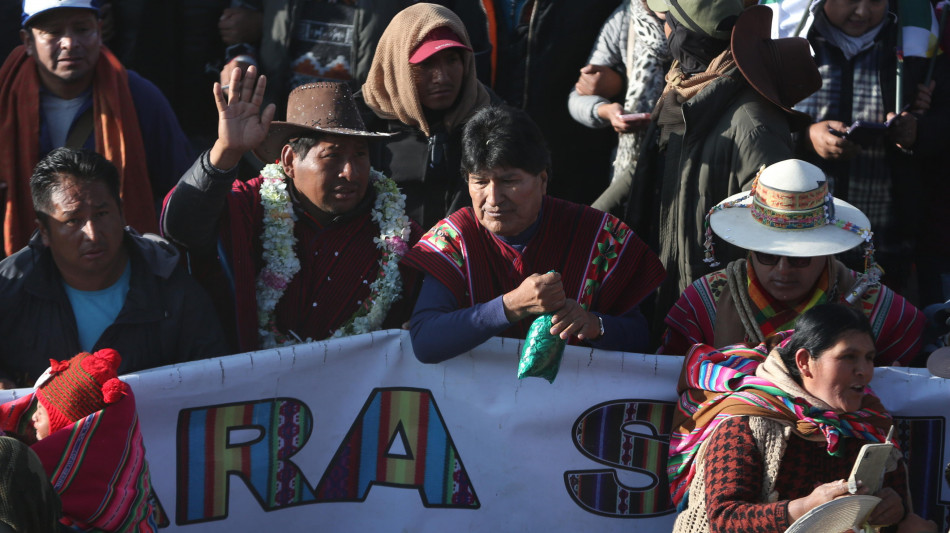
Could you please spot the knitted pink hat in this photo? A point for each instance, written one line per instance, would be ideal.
(80, 386)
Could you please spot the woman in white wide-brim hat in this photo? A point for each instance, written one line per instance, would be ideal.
(792, 228)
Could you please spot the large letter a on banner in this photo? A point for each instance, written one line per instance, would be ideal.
(399, 440)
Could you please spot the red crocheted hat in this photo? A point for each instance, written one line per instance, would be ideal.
(80, 386)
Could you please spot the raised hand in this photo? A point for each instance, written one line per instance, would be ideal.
(241, 124)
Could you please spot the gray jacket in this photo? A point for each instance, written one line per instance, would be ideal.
(167, 317)
(731, 131)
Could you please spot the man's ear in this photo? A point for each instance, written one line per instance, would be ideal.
(44, 233)
(544, 181)
(26, 36)
(287, 156)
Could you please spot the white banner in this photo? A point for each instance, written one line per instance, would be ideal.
(356, 435)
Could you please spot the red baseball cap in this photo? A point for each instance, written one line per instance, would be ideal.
(441, 38)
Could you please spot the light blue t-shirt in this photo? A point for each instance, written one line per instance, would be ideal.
(97, 310)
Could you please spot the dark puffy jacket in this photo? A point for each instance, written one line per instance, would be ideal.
(167, 318)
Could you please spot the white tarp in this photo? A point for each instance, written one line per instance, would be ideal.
(356, 435)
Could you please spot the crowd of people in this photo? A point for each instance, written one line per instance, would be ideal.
(459, 168)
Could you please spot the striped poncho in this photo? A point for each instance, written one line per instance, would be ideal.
(603, 264)
(97, 466)
(706, 308)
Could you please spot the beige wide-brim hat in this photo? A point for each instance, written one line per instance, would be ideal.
(786, 215)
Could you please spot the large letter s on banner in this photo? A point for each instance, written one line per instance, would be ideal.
(630, 435)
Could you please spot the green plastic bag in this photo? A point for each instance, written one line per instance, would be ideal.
(541, 353)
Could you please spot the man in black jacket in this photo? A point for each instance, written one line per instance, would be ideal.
(87, 282)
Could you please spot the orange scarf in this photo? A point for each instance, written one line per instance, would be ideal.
(117, 134)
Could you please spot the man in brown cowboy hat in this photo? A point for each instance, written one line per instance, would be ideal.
(725, 112)
(311, 247)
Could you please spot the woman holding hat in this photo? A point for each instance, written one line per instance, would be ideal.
(764, 435)
(84, 412)
(792, 228)
(422, 86)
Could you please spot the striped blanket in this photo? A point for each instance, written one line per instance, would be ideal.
(717, 384)
(96, 465)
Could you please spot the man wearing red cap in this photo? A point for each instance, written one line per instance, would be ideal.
(425, 101)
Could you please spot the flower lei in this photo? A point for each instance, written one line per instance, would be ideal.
(281, 263)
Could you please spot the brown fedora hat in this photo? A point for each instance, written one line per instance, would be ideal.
(781, 70)
(315, 108)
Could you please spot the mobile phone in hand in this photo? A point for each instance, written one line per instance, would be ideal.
(630, 117)
(866, 133)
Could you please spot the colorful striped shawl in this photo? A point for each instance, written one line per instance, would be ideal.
(96, 465)
(603, 264)
(896, 323)
(718, 384)
(772, 315)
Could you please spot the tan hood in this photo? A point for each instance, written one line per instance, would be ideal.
(389, 90)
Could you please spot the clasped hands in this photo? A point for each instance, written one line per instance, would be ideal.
(544, 293)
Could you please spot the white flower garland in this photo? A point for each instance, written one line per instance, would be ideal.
(281, 263)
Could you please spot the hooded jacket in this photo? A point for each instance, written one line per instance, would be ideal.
(166, 318)
(424, 159)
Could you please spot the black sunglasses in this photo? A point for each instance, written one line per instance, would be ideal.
(772, 259)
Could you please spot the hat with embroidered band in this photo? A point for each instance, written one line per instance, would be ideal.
(441, 38)
(789, 212)
(32, 8)
(314, 109)
(781, 70)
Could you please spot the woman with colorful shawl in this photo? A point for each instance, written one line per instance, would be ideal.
(792, 227)
(85, 413)
(763, 435)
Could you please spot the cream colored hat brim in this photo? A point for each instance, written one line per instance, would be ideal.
(837, 515)
(736, 226)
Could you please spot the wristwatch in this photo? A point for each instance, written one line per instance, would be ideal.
(600, 320)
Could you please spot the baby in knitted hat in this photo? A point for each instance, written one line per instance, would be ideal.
(72, 390)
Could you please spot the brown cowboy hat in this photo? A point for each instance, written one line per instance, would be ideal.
(781, 70)
(315, 108)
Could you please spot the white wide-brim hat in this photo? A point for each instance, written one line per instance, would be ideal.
(787, 213)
